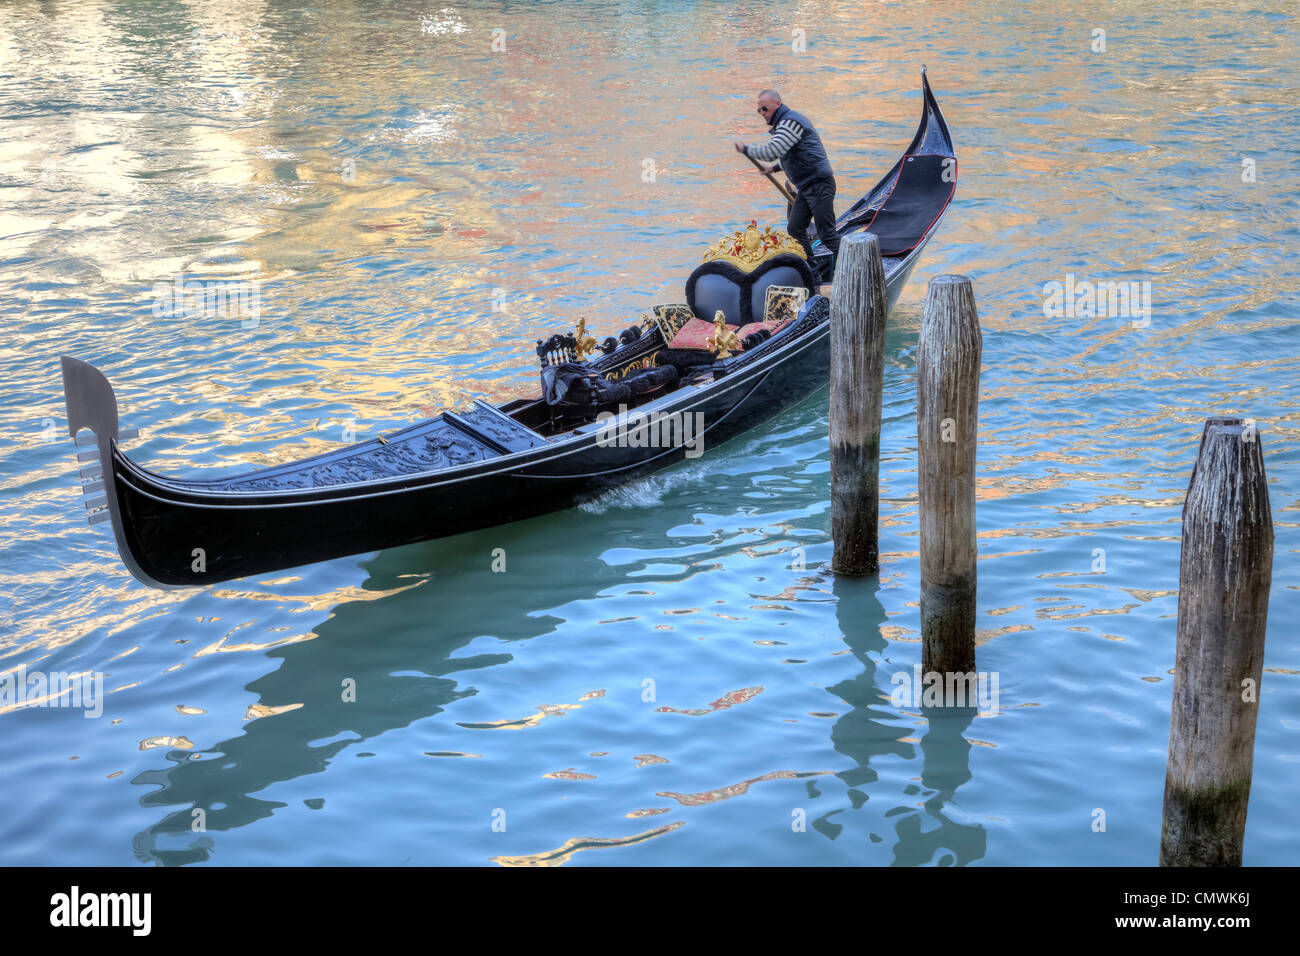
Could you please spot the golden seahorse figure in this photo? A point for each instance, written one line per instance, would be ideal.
(586, 343)
(723, 340)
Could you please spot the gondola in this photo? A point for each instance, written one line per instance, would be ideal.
(606, 413)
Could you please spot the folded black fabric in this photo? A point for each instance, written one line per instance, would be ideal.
(684, 358)
(571, 384)
(562, 384)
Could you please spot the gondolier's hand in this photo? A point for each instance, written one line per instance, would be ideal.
(740, 147)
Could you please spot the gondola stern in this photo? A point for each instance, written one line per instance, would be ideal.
(92, 405)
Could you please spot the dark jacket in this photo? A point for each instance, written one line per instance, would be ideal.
(806, 160)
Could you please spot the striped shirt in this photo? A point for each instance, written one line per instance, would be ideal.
(784, 136)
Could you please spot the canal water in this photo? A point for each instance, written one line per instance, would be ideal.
(666, 675)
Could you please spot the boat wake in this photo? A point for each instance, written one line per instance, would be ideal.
(644, 492)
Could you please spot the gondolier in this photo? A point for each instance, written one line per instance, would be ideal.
(795, 147)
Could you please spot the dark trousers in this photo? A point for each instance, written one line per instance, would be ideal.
(816, 201)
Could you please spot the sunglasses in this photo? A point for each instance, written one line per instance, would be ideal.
(763, 109)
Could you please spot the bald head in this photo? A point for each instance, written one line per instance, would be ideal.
(769, 101)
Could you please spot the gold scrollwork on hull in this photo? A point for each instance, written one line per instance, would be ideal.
(633, 366)
(747, 248)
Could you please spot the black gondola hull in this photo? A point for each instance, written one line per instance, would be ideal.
(180, 539)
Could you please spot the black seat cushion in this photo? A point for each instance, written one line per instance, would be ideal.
(654, 379)
(718, 285)
(579, 387)
(685, 358)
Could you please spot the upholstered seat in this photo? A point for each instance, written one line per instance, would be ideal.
(740, 296)
(737, 271)
(757, 280)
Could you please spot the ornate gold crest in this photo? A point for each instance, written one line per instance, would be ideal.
(747, 248)
(723, 340)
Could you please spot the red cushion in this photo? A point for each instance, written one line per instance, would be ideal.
(693, 334)
(753, 327)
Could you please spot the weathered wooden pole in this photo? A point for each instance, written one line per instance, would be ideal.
(1223, 583)
(947, 418)
(857, 365)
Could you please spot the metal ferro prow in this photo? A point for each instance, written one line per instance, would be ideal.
(92, 405)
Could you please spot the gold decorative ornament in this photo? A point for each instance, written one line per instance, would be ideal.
(723, 340)
(670, 318)
(783, 302)
(747, 248)
(586, 344)
(634, 366)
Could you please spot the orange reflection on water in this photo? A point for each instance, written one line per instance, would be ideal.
(727, 700)
(562, 855)
(707, 797)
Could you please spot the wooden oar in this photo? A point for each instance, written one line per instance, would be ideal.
(789, 196)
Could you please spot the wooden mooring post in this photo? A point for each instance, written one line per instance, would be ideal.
(1224, 576)
(857, 365)
(947, 419)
